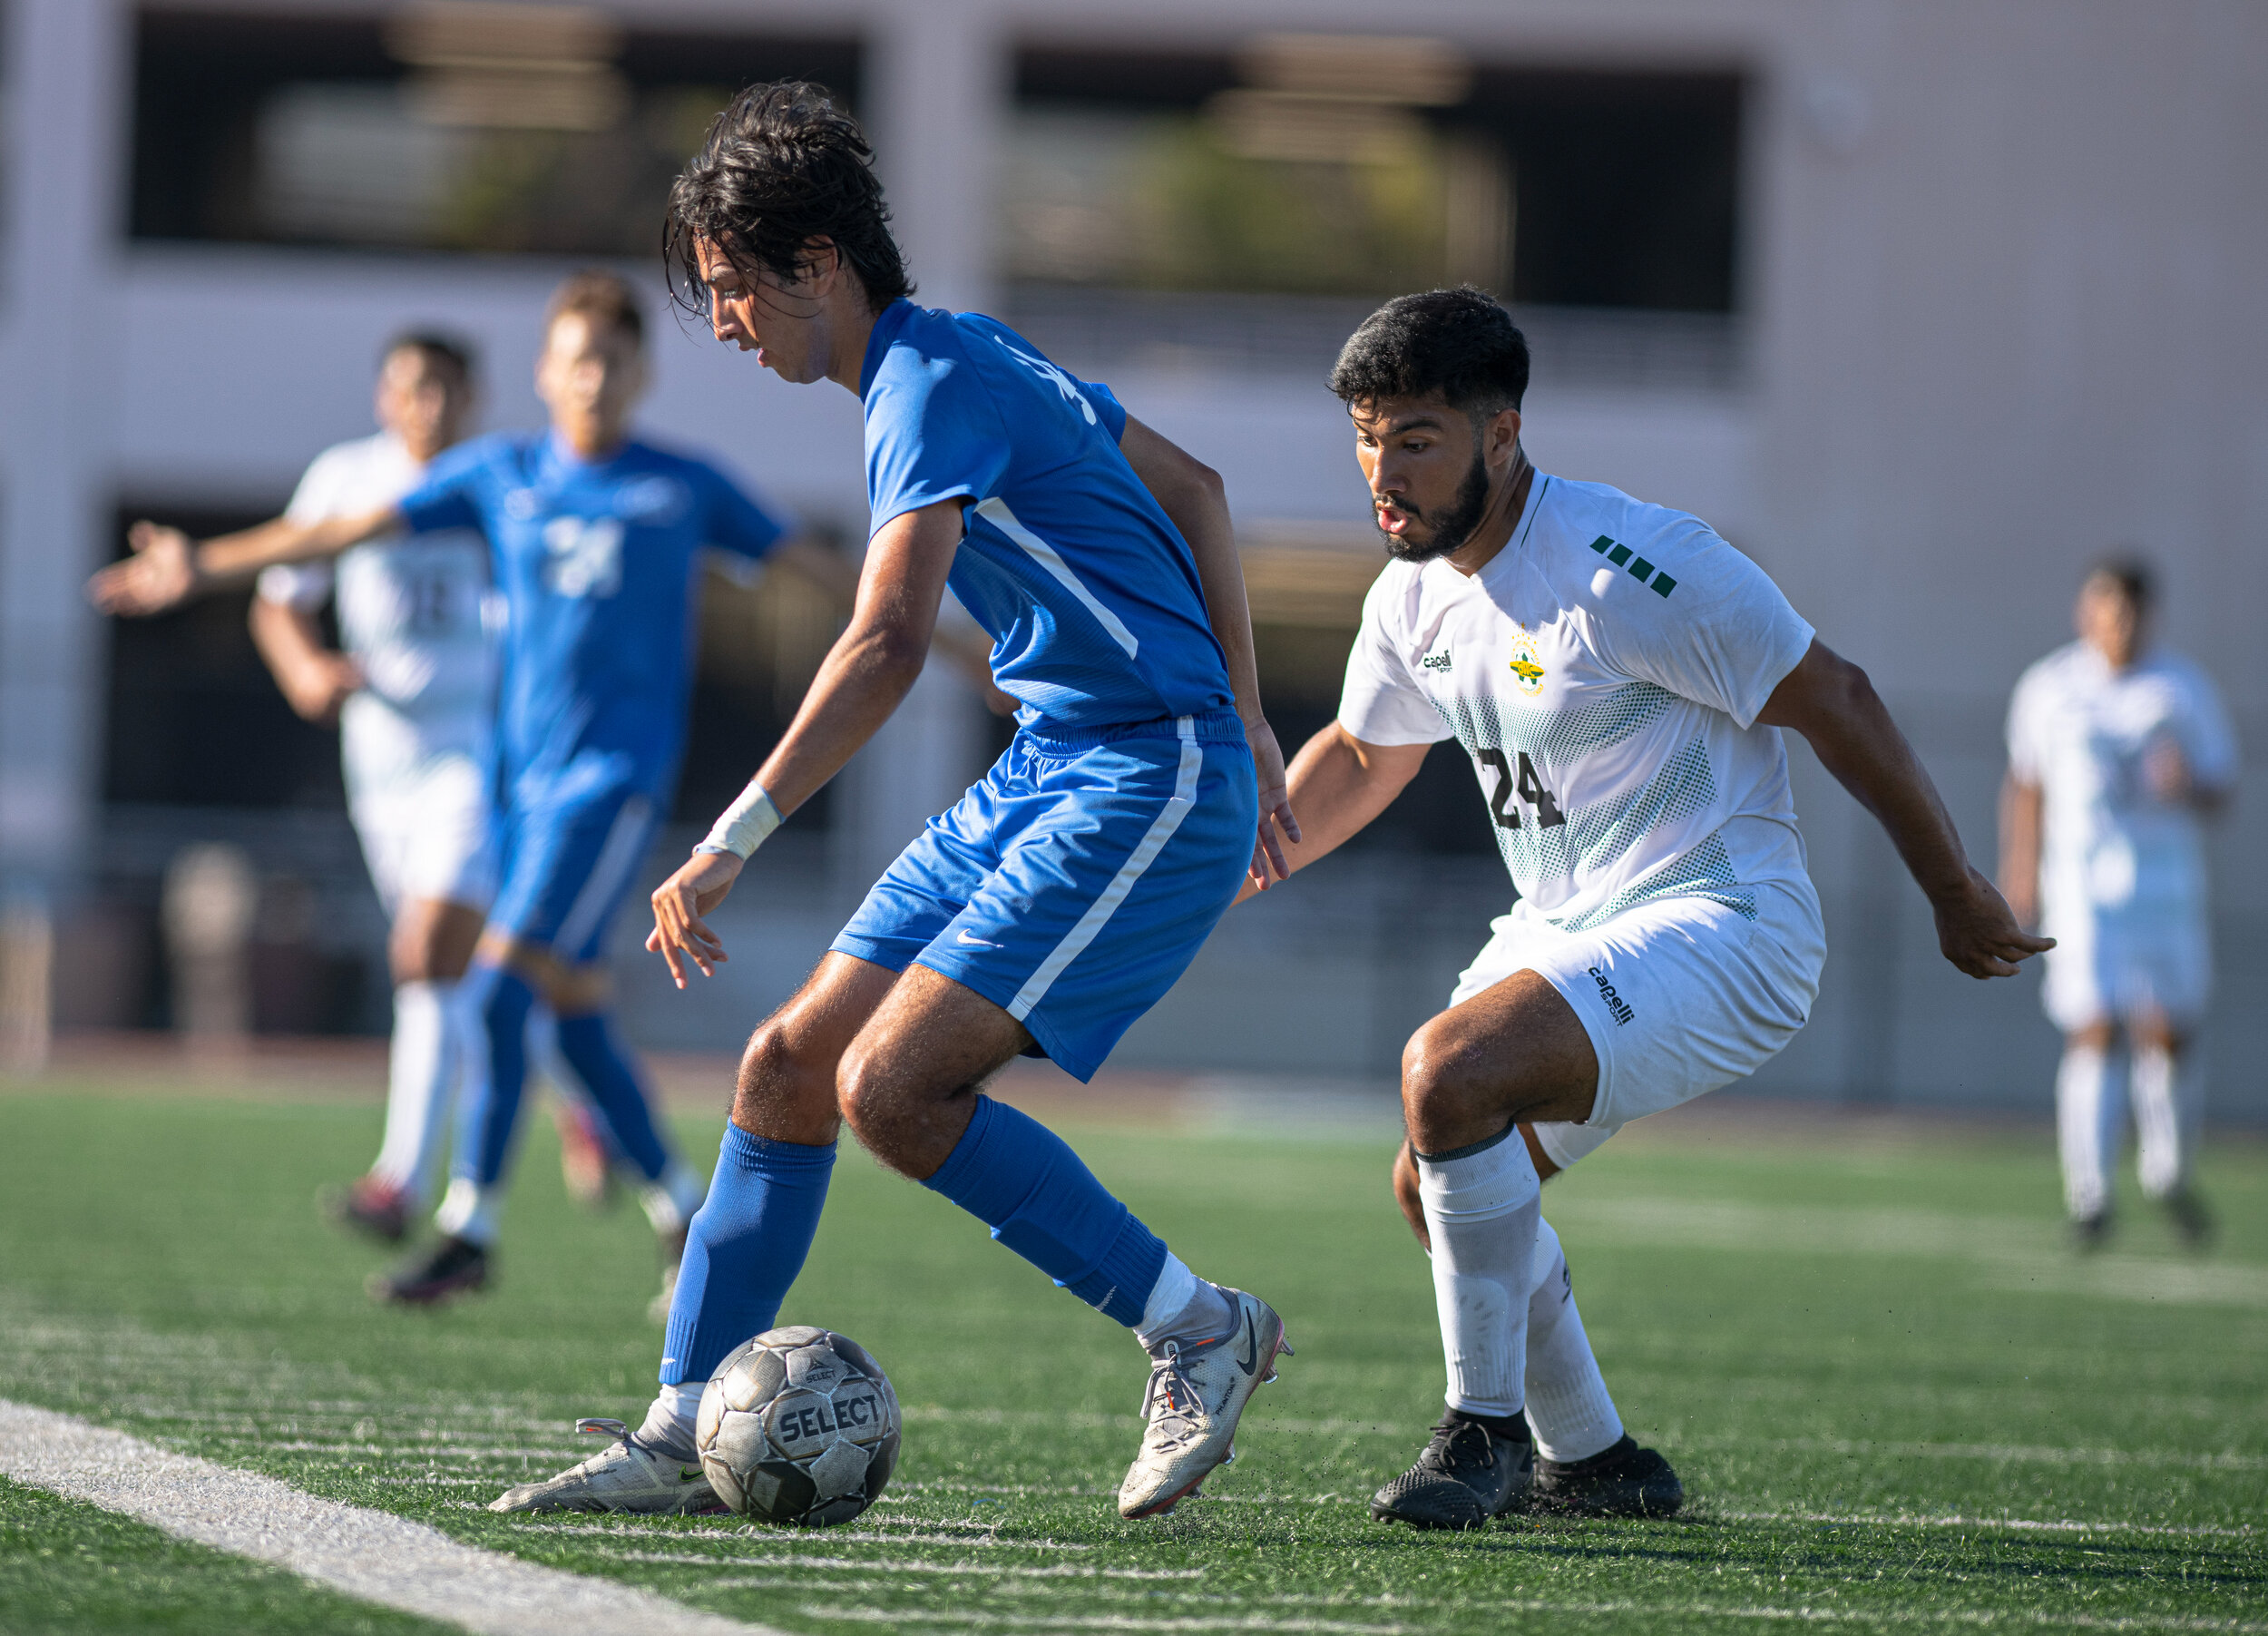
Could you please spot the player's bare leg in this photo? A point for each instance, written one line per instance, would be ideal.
(2169, 1116)
(1514, 1053)
(428, 948)
(909, 1088)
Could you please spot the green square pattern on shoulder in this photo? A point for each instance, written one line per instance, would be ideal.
(1638, 567)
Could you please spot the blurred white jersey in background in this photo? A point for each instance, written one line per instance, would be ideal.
(2122, 875)
(415, 614)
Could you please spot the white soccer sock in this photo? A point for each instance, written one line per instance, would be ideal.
(2169, 1115)
(669, 1203)
(1180, 1305)
(421, 1072)
(470, 1211)
(2090, 1119)
(1481, 1212)
(1569, 1408)
(669, 1427)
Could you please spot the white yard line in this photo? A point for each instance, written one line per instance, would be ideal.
(371, 1555)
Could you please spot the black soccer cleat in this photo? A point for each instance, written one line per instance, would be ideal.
(450, 1265)
(2090, 1233)
(1623, 1480)
(1468, 1474)
(2191, 1219)
(369, 1206)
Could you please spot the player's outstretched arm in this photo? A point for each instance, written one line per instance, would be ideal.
(167, 567)
(1190, 493)
(1341, 784)
(869, 669)
(1829, 700)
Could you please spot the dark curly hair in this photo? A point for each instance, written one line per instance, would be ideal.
(782, 165)
(1456, 344)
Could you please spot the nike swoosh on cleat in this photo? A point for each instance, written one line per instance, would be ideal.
(1251, 1360)
(687, 1474)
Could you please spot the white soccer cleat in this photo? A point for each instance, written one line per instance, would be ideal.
(624, 1476)
(1193, 1403)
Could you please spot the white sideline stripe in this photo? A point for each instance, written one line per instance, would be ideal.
(995, 512)
(1161, 829)
(370, 1556)
(619, 854)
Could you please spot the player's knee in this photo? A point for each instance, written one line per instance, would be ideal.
(1439, 1072)
(863, 1091)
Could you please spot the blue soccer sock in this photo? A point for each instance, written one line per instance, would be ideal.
(589, 1044)
(1022, 1181)
(498, 1078)
(746, 1244)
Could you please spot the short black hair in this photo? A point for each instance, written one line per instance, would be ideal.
(781, 166)
(454, 352)
(2131, 574)
(1455, 343)
(600, 296)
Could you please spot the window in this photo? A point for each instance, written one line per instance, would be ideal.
(1362, 166)
(452, 127)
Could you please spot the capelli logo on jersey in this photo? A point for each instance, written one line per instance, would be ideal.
(1527, 664)
(1615, 1004)
(1435, 662)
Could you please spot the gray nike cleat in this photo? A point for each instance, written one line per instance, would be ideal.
(1195, 1397)
(624, 1476)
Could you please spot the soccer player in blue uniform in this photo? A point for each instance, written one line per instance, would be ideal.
(1066, 891)
(593, 537)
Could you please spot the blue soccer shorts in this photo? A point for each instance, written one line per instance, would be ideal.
(571, 846)
(1075, 882)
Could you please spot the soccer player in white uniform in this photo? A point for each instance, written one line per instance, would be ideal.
(413, 693)
(2117, 749)
(1617, 675)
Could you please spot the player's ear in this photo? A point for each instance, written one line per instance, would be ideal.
(1502, 435)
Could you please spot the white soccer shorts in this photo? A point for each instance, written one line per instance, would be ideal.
(419, 794)
(2109, 966)
(1679, 995)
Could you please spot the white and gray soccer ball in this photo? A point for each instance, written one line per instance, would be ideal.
(798, 1425)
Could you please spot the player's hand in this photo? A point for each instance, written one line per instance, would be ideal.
(318, 691)
(1976, 931)
(2166, 772)
(1276, 823)
(160, 574)
(680, 935)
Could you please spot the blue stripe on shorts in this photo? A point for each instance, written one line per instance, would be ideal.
(1075, 882)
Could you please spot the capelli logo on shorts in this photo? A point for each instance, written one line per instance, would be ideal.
(1616, 1003)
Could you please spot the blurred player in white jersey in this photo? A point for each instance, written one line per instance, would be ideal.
(414, 695)
(2117, 749)
(1617, 675)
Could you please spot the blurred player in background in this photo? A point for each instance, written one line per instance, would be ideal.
(595, 538)
(1618, 674)
(2118, 748)
(1064, 893)
(413, 694)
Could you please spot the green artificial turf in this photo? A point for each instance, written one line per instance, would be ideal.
(1897, 1400)
(65, 1565)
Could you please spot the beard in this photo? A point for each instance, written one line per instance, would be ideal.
(1452, 528)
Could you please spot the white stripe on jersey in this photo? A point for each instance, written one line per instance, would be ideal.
(995, 512)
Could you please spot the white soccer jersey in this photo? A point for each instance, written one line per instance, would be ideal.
(1604, 672)
(2082, 732)
(411, 611)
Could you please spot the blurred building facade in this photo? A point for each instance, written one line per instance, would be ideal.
(1923, 305)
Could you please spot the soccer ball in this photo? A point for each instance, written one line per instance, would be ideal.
(798, 1425)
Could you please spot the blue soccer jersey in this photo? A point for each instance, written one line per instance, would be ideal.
(1087, 589)
(596, 560)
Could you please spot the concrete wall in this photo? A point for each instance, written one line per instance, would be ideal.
(1999, 279)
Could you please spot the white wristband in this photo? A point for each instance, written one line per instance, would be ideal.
(746, 825)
